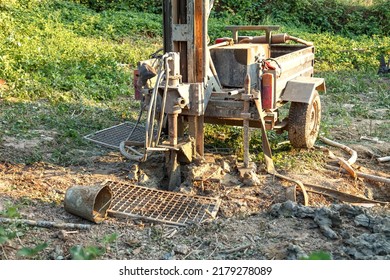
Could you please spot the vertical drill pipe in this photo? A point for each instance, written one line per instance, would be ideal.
(247, 85)
(173, 165)
(246, 141)
(200, 135)
(172, 125)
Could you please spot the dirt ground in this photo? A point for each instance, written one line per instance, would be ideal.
(253, 221)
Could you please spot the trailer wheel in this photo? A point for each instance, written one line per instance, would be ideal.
(304, 122)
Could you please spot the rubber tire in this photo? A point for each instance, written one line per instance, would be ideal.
(304, 122)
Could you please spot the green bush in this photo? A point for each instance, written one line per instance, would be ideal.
(338, 16)
(349, 17)
(150, 6)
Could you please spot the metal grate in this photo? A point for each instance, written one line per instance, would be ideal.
(111, 137)
(161, 206)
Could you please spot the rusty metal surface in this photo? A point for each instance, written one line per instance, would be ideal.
(160, 206)
(246, 115)
(267, 28)
(90, 203)
(294, 61)
(232, 63)
(112, 137)
(301, 89)
(173, 167)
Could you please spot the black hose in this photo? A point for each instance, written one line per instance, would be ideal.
(163, 101)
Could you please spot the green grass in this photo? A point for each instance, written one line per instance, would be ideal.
(61, 51)
(65, 122)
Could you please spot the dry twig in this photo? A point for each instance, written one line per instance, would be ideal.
(46, 224)
(234, 250)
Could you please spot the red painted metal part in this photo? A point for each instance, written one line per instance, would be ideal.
(137, 92)
(267, 95)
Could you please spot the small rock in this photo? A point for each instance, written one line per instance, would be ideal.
(47, 138)
(186, 189)
(225, 167)
(63, 235)
(133, 172)
(137, 251)
(285, 209)
(345, 234)
(326, 218)
(295, 252)
(347, 210)
(304, 212)
(58, 253)
(275, 210)
(348, 106)
(383, 227)
(362, 220)
(248, 175)
(181, 249)
(328, 232)
(251, 180)
(143, 178)
(368, 246)
(169, 256)
(353, 253)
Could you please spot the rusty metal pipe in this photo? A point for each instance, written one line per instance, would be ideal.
(275, 39)
(246, 136)
(172, 125)
(299, 40)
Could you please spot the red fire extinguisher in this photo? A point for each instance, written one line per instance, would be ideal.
(267, 91)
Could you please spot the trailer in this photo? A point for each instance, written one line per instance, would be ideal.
(241, 81)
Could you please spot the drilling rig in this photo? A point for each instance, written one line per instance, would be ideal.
(241, 81)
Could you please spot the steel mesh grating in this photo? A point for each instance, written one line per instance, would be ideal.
(111, 137)
(161, 206)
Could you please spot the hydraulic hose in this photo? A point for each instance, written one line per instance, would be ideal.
(164, 101)
(149, 126)
(152, 111)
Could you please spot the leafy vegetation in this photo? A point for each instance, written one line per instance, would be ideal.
(87, 253)
(92, 252)
(349, 17)
(15, 230)
(32, 252)
(321, 255)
